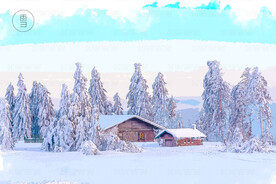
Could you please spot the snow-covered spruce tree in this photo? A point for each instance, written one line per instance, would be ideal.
(9, 96)
(240, 126)
(260, 95)
(64, 103)
(65, 133)
(51, 138)
(6, 140)
(80, 96)
(97, 92)
(138, 97)
(131, 96)
(161, 114)
(250, 106)
(93, 132)
(45, 109)
(108, 107)
(34, 99)
(216, 99)
(178, 121)
(59, 136)
(21, 113)
(81, 132)
(172, 107)
(117, 108)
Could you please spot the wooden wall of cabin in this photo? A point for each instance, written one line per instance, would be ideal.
(188, 142)
(168, 140)
(131, 130)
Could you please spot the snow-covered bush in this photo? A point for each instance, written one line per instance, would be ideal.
(58, 149)
(113, 142)
(89, 148)
(255, 144)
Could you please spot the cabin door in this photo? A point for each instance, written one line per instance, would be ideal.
(168, 143)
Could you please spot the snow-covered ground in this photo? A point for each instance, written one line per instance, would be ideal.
(195, 164)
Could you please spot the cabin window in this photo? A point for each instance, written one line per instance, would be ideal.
(141, 136)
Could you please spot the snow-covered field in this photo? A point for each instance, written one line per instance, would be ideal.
(196, 164)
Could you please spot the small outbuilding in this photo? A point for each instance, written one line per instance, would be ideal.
(130, 127)
(180, 137)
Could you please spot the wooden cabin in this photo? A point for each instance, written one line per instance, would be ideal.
(130, 127)
(180, 137)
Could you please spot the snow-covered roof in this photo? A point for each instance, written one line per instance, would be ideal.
(182, 133)
(108, 121)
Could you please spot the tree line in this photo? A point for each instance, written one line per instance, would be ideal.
(228, 115)
(33, 116)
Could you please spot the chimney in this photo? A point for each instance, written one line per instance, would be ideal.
(194, 125)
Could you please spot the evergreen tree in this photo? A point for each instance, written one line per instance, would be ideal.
(45, 110)
(250, 105)
(21, 113)
(80, 95)
(178, 121)
(132, 99)
(260, 95)
(138, 97)
(172, 107)
(65, 133)
(239, 121)
(81, 132)
(93, 132)
(9, 96)
(51, 138)
(97, 92)
(108, 107)
(216, 99)
(64, 103)
(117, 108)
(160, 102)
(6, 140)
(34, 100)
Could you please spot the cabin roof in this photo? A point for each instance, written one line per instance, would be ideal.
(108, 121)
(182, 133)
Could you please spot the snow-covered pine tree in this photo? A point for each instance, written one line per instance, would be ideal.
(216, 99)
(250, 105)
(161, 114)
(117, 108)
(21, 113)
(260, 100)
(65, 133)
(80, 95)
(9, 96)
(34, 99)
(51, 138)
(93, 132)
(138, 97)
(45, 109)
(6, 140)
(97, 92)
(65, 127)
(64, 103)
(81, 132)
(240, 125)
(172, 107)
(178, 121)
(131, 96)
(108, 107)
